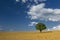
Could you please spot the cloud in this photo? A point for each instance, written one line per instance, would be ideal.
(56, 27)
(32, 23)
(36, 1)
(29, 6)
(24, 1)
(17, 0)
(39, 12)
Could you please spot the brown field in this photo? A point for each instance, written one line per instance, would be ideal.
(49, 35)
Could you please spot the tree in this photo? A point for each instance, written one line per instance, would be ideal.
(40, 26)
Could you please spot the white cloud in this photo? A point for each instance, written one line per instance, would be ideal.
(48, 29)
(36, 1)
(57, 11)
(38, 12)
(32, 23)
(42, 0)
(17, 0)
(56, 27)
(29, 6)
(24, 1)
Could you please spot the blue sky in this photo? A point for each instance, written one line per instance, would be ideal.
(15, 14)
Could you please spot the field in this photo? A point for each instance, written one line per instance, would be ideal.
(48, 35)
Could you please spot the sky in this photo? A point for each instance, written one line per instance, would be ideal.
(23, 15)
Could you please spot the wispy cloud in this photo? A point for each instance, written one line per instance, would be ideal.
(38, 12)
(17, 0)
(36, 1)
(56, 27)
(24, 1)
(32, 23)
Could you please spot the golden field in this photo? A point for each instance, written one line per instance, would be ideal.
(47, 35)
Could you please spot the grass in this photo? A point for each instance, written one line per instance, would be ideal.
(49, 35)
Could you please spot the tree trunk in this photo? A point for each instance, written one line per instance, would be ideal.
(40, 30)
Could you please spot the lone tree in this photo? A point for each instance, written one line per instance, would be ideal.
(40, 26)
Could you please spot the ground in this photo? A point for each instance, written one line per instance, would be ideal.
(48, 35)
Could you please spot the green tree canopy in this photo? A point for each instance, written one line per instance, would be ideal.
(40, 26)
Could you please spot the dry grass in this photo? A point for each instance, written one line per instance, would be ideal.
(49, 35)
